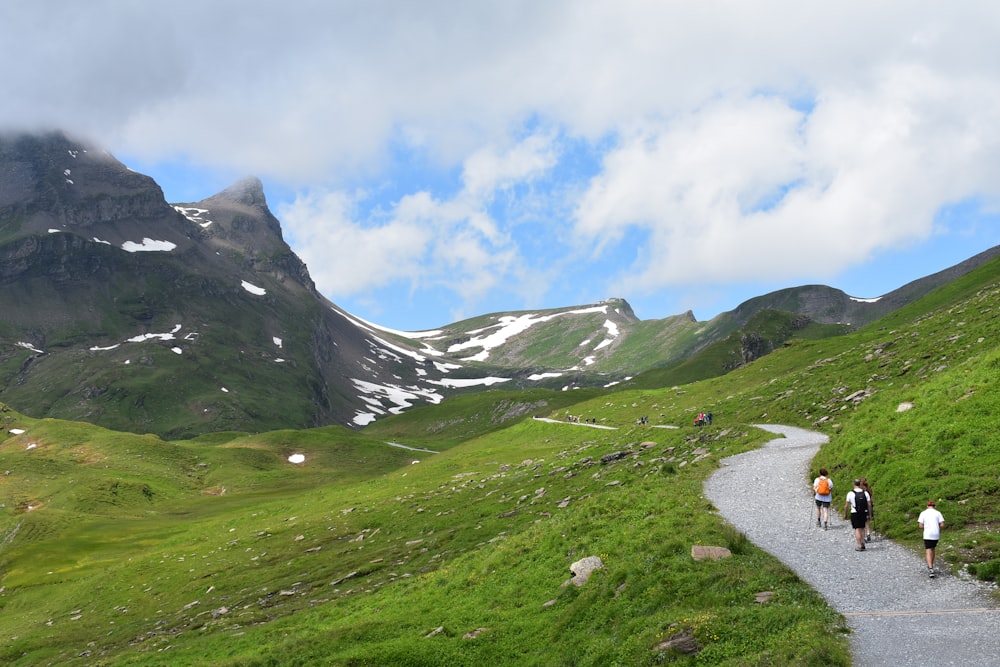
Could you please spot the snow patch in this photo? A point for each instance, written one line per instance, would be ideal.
(148, 245)
(253, 289)
(508, 326)
(469, 382)
(195, 215)
(297, 458)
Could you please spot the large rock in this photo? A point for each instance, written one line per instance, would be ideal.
(699, 552)
(583, 568)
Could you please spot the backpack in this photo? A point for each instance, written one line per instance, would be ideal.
(861, 503)
(823, 486)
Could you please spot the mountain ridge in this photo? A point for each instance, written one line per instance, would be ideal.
(193, 317)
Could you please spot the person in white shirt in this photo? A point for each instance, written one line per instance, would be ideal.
(858, 502)
(931, 521)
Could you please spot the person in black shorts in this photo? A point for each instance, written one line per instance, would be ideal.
(857, 501)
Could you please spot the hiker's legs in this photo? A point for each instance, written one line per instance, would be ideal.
(858, 524)
(929, 546)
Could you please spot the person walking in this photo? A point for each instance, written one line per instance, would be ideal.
(931, 521)
(857, 501)
(823, 490)
(871, 509)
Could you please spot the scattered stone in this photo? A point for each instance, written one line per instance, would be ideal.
(700, 552)
(436, 631)
(614, 456)
(583, 568)
(763, 597)
(903, 407)
(550, 602)
(344, 578)
(474, 633)
(683, 642)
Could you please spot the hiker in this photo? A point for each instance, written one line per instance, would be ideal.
(857, 502)
(871, 508)
(931, 521)
(823, 488)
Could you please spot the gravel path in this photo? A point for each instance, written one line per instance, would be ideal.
(897, 614)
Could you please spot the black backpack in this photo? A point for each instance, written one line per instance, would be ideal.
(861, 503)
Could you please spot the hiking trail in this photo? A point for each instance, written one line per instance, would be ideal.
(898, 616)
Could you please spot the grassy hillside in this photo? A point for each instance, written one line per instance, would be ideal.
(118, 549)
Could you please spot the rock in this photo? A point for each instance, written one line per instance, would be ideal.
(683, 642)
(614, 456)
(699, 552)
(474, 633)
(582, 569)
(763, 597)
(903, 407)
(436, 631)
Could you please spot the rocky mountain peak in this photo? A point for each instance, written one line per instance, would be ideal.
(248, 191)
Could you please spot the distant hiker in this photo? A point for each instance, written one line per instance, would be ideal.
(857, 502)
(708, 418)
(871, 509)
(931, 521)
(823, 488)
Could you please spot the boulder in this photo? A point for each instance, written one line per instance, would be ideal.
(582, 569)
(699, 552)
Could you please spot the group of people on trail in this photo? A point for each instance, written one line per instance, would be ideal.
(703, 418)
(862, 514)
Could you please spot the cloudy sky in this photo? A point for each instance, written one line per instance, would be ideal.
(434, 160)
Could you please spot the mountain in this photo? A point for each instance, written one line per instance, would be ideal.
(123, 310)
(181, 319)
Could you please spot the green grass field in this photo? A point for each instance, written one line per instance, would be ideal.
(120, 549)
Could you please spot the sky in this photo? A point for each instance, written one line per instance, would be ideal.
(435, 160)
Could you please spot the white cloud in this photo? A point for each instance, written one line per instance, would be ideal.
(752, 188)
(421, 240)
(730, 141)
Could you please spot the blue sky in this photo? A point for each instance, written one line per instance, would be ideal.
(432, 161)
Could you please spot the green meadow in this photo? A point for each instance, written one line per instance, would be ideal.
(121, 549)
